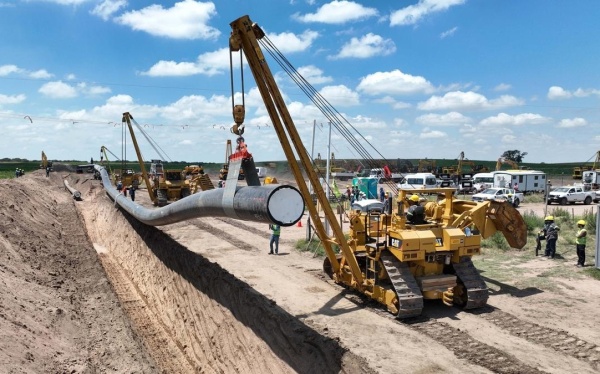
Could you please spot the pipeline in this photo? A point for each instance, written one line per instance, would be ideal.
(273, 204)
(76, 194)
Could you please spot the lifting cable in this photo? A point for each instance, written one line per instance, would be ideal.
(335, 118)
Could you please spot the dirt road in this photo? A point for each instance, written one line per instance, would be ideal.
(204, 296)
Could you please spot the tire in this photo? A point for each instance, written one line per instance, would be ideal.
(588, 200)
(516, 203)
(564, 201)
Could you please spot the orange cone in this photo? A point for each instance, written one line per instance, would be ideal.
(299, 224)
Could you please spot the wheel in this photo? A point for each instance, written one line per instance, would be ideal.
(516, 203)
(563, 201)
(588, 200)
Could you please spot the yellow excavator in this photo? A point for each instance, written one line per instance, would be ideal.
(505, 161)
(386, 257)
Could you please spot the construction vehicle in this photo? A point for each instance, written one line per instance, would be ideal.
(578, 170)
(198, 180)
(225, 169)
(168, 184)
(45, 163)
(386, 258)
(126, 176)
(505, 161)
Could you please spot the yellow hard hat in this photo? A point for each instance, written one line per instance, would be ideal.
(549, 218)
(581, 222)
(414, 198)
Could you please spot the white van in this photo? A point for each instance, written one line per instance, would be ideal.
(481, 181)
(418, 181)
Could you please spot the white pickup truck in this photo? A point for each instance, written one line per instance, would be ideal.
(571, 195)
(507, 194)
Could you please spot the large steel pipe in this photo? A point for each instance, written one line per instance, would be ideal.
(76, 194)
(279, 204)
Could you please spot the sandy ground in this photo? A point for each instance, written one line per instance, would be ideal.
(86, 288)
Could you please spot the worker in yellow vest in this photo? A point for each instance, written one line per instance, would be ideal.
(580, 241)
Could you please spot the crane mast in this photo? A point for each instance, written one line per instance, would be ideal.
(244, 38)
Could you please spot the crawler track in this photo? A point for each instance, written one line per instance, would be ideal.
(558, 340)
(466, 347)
(410, 299)
(477, 291)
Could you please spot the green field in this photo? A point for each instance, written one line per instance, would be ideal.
(562, 170)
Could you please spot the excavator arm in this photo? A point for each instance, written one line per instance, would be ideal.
(245, 36)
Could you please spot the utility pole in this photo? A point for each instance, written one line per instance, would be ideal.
(327, 191)
(312, 157)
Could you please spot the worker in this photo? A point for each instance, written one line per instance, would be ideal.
(416, 212)
(119, 186)
(381, 194)
(276, 232)
(580, 241)
(550, 233)
(387, 203)
(132, 192)
(17, 173)
(47, 171)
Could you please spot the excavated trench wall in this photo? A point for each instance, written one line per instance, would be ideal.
(219, 323)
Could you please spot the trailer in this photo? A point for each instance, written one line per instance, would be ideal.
(591, 180)
(525, 181)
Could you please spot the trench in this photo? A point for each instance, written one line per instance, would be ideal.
(205, 319)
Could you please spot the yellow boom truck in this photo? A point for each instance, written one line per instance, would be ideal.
(385, 257)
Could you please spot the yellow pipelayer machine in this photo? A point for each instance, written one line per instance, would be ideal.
(386, 258)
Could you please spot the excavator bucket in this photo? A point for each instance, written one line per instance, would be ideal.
(509, 221)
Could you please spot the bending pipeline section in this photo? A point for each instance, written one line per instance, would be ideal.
(76, 194)
(278, 204)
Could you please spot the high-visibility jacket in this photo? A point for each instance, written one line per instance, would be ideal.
(580, 238)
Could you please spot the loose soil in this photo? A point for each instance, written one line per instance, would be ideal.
(86, 288)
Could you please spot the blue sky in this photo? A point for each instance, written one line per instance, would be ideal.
(418, 78)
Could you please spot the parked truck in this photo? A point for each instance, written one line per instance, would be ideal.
(571, 195)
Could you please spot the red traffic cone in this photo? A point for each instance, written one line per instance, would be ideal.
(299, 223)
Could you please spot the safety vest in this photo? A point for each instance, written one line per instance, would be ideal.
(276, 229)
(582, 239)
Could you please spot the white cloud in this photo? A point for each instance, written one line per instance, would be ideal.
(504, 119)
(340, 95)
(367, 46)
(58, 90)
(187, 19)
(432, 134)
(503, 87)
(107, 8)
(470, 100)
(12, 99)
(394, 83)
(210, 63)
(97, 90)
(313, 74)
(558, 93)
(338, 12)
(288, 42)
(363, 122)
(40, 74)
(448, 119)
(572, 122)
(448, 33)
(9, 69)
(414, 13)
(509, 139)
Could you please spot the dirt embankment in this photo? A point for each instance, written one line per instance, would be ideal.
(58, 312)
